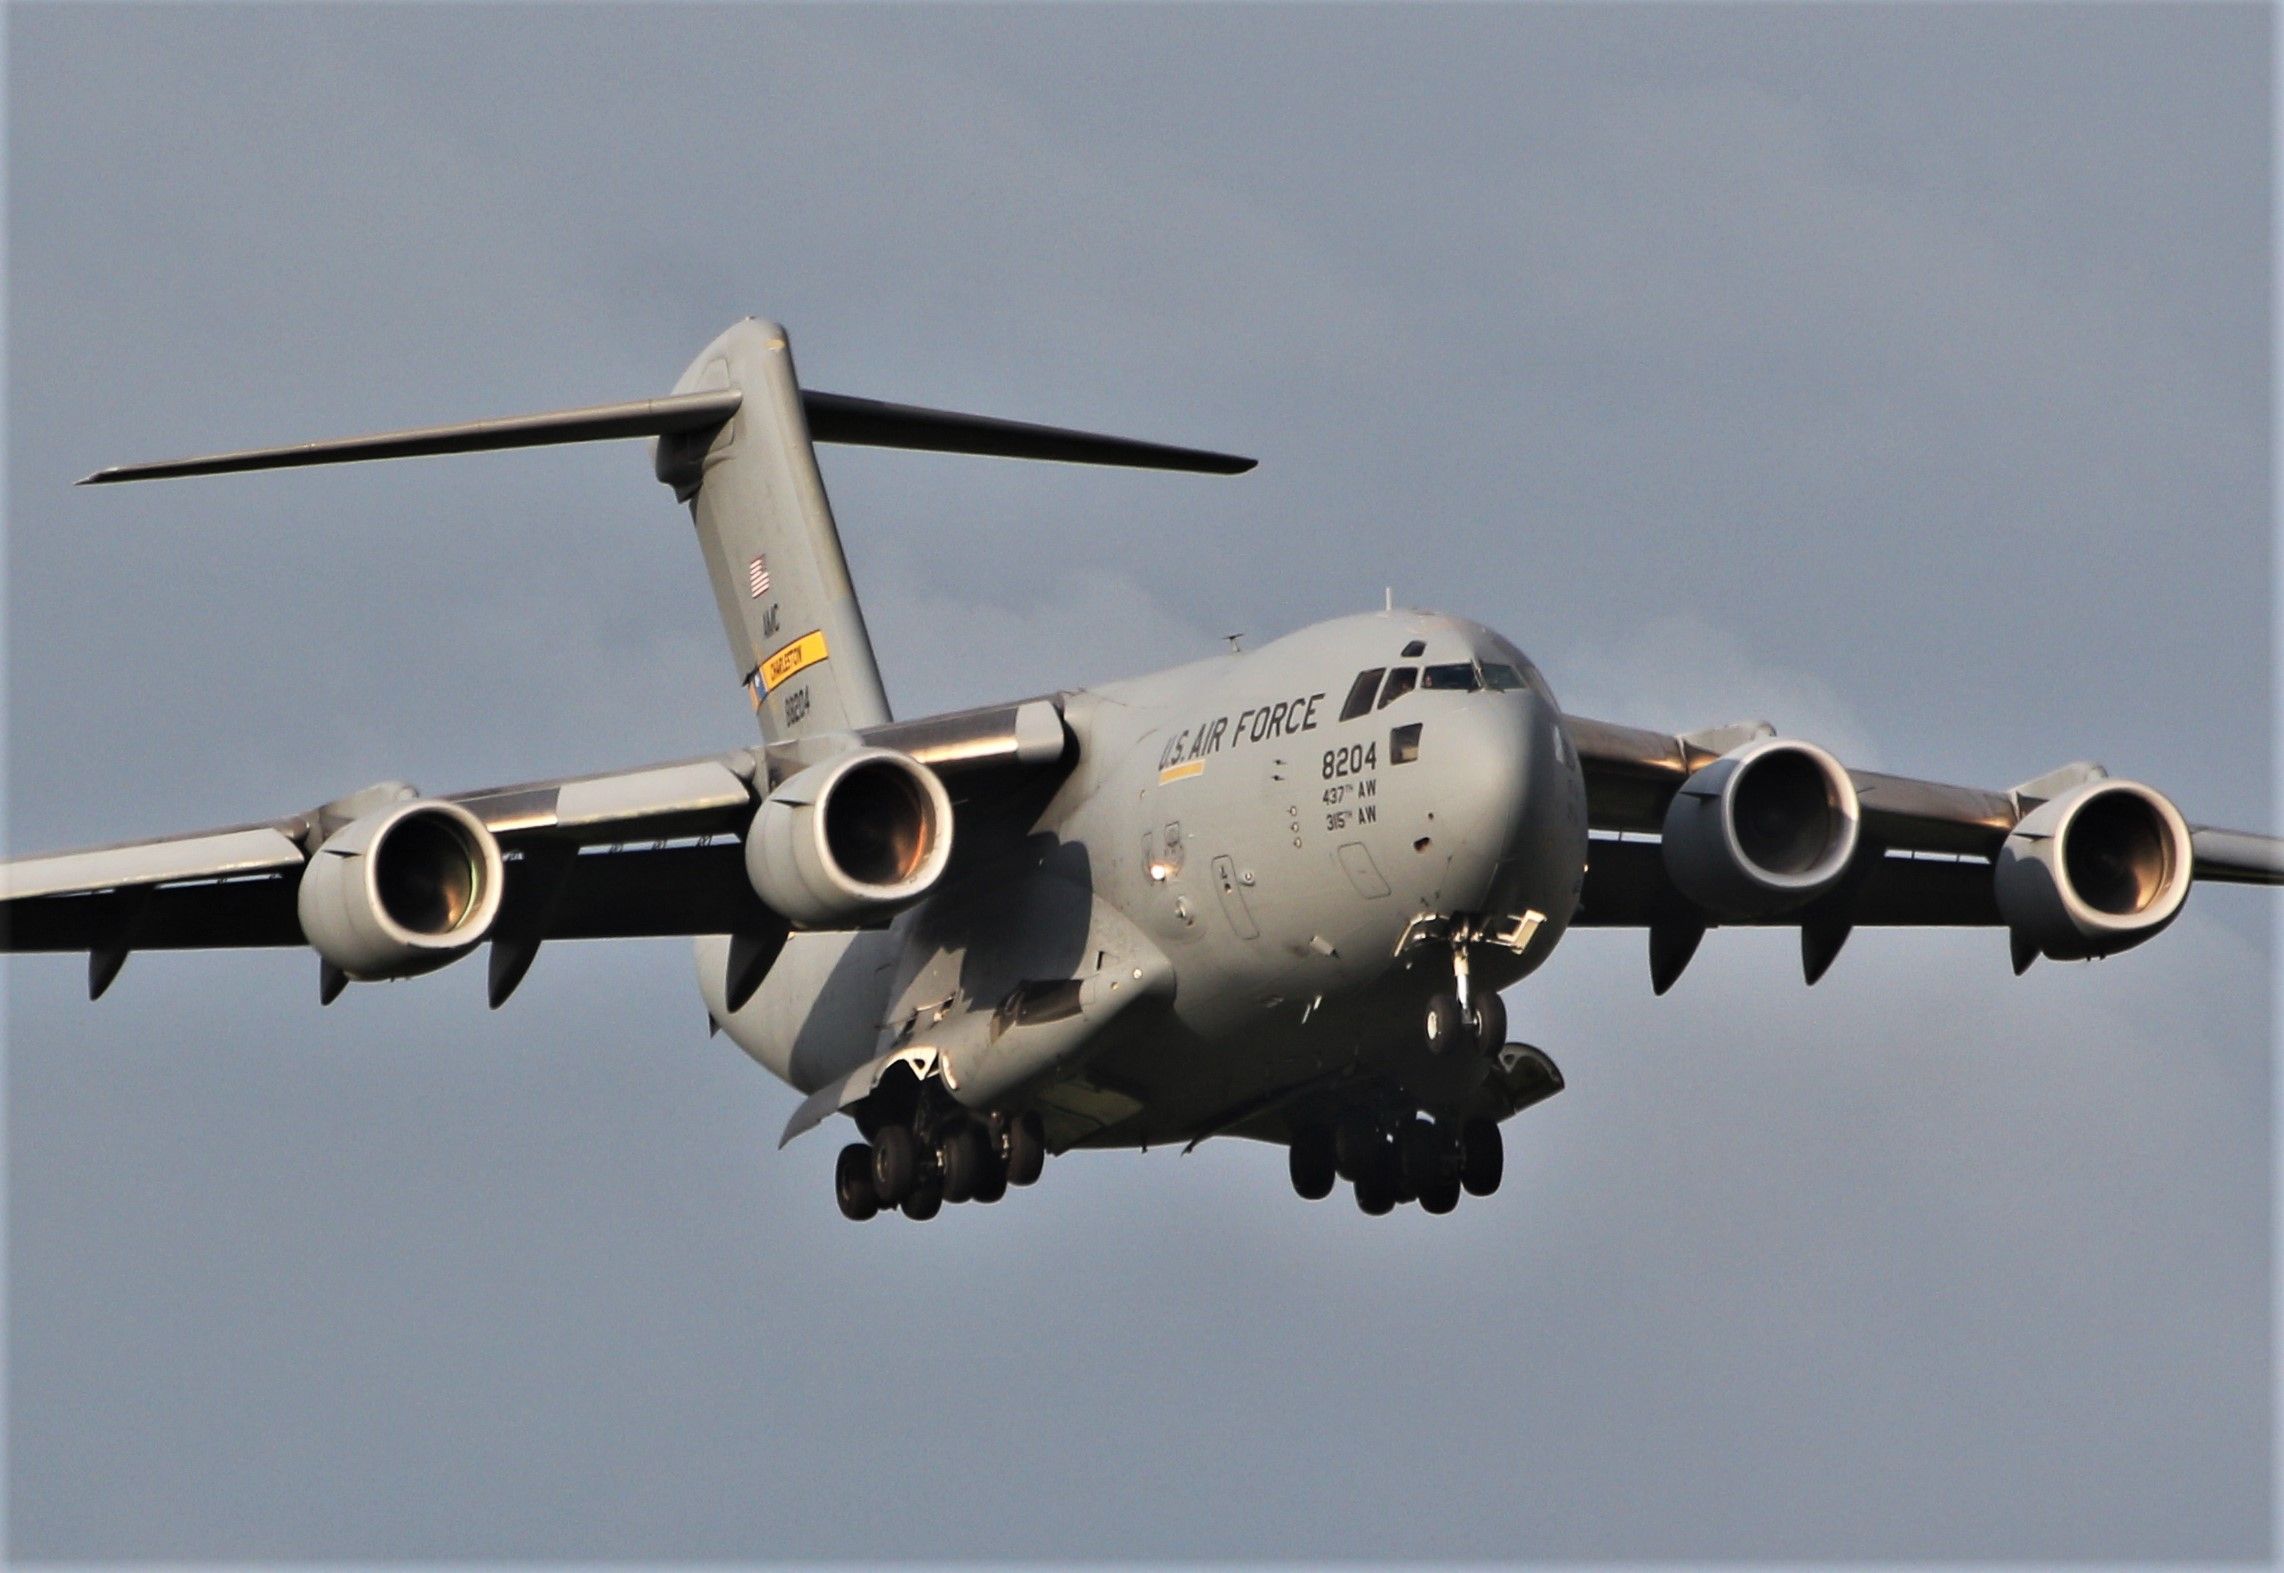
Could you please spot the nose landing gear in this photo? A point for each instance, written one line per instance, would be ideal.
(1466, 1017)
(1463, 1017)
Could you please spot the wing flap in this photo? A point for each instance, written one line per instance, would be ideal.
(216, 915)
(1627, 887)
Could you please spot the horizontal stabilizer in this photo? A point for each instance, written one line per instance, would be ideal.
(596, 423)
(835, 417)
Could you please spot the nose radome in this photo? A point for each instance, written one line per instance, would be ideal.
(1484, 755)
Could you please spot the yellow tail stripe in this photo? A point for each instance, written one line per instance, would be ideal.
(805, 651)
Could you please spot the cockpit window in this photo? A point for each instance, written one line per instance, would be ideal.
(1400, 682)
(1460, 676)
(1360, 693)
(1500, 677)
(1418, 647)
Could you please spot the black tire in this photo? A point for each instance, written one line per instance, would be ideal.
(1311, 1161)
(1482, 1157)
(960, 1154)
(1440, 1197)
(1420, 1157)
(852, 1183)
(895, 1164)
(1490, 1022)
(991, 1183)
(1447, 1025)
(924, 1203)
(1026, 1149)
(1376, 1192)
(1356, 1144)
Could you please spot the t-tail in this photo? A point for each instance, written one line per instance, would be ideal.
(736, 442)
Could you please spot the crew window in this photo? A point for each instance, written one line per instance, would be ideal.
(1360, 693)
(1400, 682)
(1500, 677)
(1417, 648)
(1404, 744)
(1459, 676)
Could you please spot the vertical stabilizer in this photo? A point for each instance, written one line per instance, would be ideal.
(772, 550)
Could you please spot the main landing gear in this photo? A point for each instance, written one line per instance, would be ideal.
(1466, 1018)
(1429, 1162)
(917, 1167)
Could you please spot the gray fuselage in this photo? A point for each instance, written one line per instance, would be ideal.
(1273, 828)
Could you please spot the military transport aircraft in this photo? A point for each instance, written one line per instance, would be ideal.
(1272, 894)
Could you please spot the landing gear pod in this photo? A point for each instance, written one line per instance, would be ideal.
(2095, 871)
(850, 841)
(1761, 830)
(402, 890)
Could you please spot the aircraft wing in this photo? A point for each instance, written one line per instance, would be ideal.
(1927, 853)
(644, 852)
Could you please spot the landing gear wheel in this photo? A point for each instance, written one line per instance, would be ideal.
(924, 1203)
(961, 1157)
(1376, 1189)
(991, 1184)
(895, 1164)
(1446, 1024)
(1026, 1149)
(852, 1183)
(1420, 1157)
(1356, 1146)
(1440, 1197)
(1312, 1163)
(1490, 1022)
(1482, 1157)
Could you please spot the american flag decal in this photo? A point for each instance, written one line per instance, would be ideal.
(757, 577)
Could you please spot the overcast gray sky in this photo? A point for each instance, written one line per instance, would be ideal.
(1899, 373)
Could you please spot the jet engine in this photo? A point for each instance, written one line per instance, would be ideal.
(850, 841)
(402, 890)
(2094, 871)
(1763, 829)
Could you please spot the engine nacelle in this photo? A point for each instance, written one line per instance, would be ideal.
(2094, 871)
(1765, 828)
(850, 841)
(402, 890)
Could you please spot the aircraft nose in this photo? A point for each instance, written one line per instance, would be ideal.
(1507, 782)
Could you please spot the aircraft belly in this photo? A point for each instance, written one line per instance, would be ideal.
(817, 1015)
